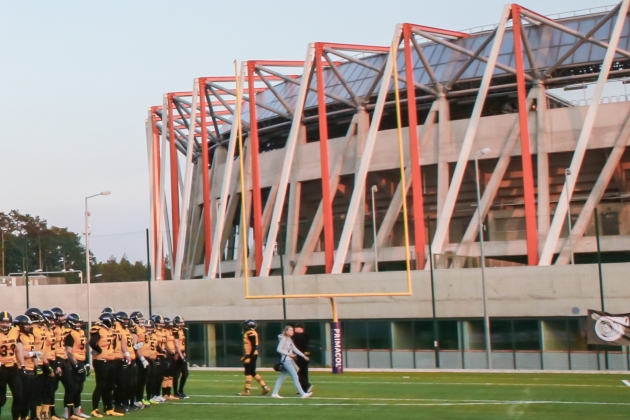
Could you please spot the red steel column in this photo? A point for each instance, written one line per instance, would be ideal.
(526, 156)
(253, 141)
(416, 172)
(205, 176)
(174, 174)
(329, 235)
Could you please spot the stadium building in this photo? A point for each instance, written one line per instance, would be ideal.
(519, 127)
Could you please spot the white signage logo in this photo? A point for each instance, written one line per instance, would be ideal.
(611, 328)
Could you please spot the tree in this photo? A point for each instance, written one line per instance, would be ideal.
(114, 271)
(27, 243)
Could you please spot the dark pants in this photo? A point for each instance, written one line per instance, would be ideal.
(11, 376)
(142, 378)
(78, 380)
(51, 382)
(67, 379)
(151, 374)
(181, 370)
(303, 373)
(133, 382)
(38, 394)
(28, 390)
(250, 368)
(105, 375)
(121, 384)
(161, 369)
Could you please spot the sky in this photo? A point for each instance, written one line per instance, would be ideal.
(77, 77)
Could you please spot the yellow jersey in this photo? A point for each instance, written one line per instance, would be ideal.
(181, 336)
(8, 347)
(77, 342)
(119, 331)
(60, 335)
(149, 350)
(250, 342)
(51, 343)
(106, 341)
(39, 334)
(170, 341)
(28, 343)
(161, 341)
(129, 340)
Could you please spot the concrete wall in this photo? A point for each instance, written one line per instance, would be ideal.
(512, 292)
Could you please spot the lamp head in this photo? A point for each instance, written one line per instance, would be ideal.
(106, 193)
(484, 151)
(567, 171)
(374, 188)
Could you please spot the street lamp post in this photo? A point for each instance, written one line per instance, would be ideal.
(567, 172)
(87, 255)
(486, 318)
(374, 189)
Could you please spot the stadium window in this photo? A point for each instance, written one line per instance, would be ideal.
(233, 343)
(501, 334)
(268, 335)
(449, 335)
(423, 335)
(610, 223)
(379, 335)
(526, 334)
(402, 335)
(355, 334)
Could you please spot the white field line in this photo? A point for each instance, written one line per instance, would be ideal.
(430, 383)
(416, 400)
(419, 404)
(457, 371)
(625, 382)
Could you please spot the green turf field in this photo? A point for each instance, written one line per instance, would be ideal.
(400, 396)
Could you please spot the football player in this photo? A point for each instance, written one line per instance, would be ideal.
(10, 363)
(40, 335)
(64, 371)
(148, 351)
(123, 357)
(250, 345)
(132, 383)
(142, 364)
(26, 346)
(160, 360)
(103, 342)
(76, 351)
(181, 363)
(167, 383)
(50, 379)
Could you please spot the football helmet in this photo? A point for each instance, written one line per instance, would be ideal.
(4, 318)
(74, 321)
(137, 317)
(49, 317)
(250, 324)
(24, 323)
(35, 315)
(106, 319)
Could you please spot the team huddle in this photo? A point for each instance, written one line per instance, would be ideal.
(137, 362)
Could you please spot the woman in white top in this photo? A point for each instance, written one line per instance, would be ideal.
(288, 353)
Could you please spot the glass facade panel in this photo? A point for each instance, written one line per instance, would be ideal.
(526, 334)
(380, 335)
(449, 335)
(402, 335)
(355, 335)
(501, 335)
(196, 343)
(423, 335)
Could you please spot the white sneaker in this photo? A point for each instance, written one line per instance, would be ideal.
(78, 411)
(65, 413)
(306, 395)
(139, 405)
(276, 396)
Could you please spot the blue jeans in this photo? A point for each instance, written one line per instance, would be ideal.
(289, 369)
